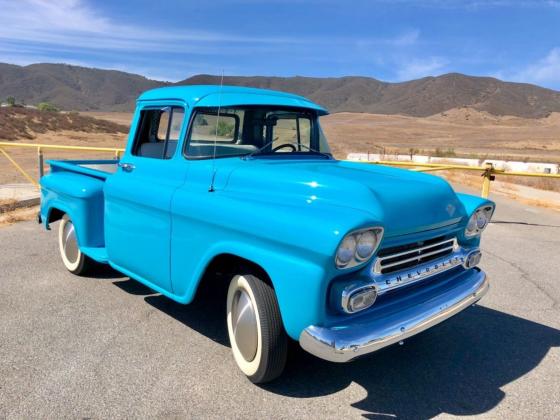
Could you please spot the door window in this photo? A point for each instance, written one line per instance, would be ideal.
(158, 132)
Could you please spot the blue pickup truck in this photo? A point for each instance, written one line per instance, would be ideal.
(346, 258)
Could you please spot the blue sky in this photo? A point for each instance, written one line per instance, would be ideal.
(391, 40)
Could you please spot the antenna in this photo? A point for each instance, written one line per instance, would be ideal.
(211, 189)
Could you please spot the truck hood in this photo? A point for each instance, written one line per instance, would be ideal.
(400, 200)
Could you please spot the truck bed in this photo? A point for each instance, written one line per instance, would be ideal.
(96, 168)
(75, 187)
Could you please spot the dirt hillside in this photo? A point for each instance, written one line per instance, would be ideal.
(17, 123)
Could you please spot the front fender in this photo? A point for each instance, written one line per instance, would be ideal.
(294, 244)
(472, 202)
(300, 285)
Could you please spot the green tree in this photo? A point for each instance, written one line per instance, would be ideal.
(47, 107)
(225, 129)
(11, 100)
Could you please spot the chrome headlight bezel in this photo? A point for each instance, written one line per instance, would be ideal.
(482, 214)
(354, 237)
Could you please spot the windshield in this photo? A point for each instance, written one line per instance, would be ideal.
(255, 131)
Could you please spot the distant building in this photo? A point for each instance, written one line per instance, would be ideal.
(503, 165)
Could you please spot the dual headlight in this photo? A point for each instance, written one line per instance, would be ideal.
(478, 221)
(358, 246)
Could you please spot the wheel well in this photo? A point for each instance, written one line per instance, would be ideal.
(220, 270)
(54, 215)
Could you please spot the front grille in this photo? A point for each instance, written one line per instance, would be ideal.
(401, 257)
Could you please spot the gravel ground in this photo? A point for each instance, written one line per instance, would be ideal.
(109, 347)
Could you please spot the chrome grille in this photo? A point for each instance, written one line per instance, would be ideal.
(410, 255)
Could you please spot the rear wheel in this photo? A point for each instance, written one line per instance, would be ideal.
(73, 259)
(258, 340)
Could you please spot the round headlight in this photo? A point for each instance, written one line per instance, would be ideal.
(346, 250)
(366, 245)
(358, 246)
(478, 221)
(481, 219)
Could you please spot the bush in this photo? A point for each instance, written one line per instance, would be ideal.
(225, 129)
(11, 101)
(47, 107)
(450, 152)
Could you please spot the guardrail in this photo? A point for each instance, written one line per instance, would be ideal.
(40, 148)
(488, 172)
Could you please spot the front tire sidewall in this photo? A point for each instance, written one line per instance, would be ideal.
(75, 267)
(252, 367)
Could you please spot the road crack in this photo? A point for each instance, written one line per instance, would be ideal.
(526, 276)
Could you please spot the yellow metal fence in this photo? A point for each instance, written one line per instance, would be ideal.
(488, 172)
(41, 148)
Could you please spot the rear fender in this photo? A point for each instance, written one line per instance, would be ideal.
(79, 196)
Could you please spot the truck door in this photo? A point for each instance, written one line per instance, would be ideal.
(138, 196)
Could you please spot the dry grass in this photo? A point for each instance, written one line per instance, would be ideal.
(27, 158)
(7, 202)
(466, 132)
(19, 215)
(122, 118)
(508, 189)
(24, 123)
(547, 184)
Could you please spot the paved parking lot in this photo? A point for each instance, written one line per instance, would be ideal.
(109, 347)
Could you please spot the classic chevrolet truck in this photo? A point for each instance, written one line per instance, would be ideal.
(346, 258)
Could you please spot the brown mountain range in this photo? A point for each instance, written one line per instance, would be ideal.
(79, 88)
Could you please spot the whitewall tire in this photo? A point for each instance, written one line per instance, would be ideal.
(72, 258)
(256, 333)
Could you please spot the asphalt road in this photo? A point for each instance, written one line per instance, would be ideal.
(108, 347)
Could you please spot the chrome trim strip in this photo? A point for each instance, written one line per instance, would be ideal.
(421, 271)
(343, 343)
(398, 279)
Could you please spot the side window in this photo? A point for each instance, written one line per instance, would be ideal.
(158, 132)
(206, 127)
(225, 131)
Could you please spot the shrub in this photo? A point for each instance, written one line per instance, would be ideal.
(225, 129)
(47, 107)
(445, 153)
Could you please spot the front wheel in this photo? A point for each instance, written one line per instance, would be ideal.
(258, 340)
(73, 259)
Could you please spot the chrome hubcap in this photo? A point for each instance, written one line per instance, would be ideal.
(244, 324)
(69, 242)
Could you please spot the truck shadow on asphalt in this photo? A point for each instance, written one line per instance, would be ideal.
(455, 368)
(458, 367)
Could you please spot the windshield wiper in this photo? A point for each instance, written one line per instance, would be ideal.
(260, 150)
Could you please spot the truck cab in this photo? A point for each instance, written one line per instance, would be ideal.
(345, 258)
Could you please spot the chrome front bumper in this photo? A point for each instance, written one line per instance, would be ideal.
(388, 324)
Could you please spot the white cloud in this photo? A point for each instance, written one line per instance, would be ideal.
(403, 39)
(406, 38)
(72, 23)
(545, 71)
(417, 68)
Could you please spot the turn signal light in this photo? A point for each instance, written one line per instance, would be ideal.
(361, 299)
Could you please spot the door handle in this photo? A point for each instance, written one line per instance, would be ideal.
(126, 167)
